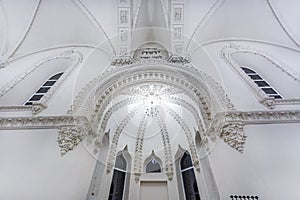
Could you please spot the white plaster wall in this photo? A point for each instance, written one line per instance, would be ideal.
(268, 168)
(31, 167)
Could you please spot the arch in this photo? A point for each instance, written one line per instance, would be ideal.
(27, 82)
(153, 164)
(234, 56)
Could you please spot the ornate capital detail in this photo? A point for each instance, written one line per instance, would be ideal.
(122, 60)
(37, 108)
(233, 134)
(69, 138)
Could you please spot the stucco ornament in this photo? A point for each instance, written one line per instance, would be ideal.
(233, 134)
(68, 138)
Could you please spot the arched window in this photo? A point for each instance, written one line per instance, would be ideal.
(118, 181)
(261, 83)
(153, 166)
(188, 177)
(44, 89)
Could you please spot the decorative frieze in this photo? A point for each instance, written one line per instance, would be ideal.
(122, 60)
(229, 126)
(15, 108)
(72, 130)
(179, 59)
(263, 117)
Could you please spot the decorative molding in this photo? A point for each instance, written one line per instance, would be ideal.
(38, 107)
(115, 140)
(35, 108)
(122, 60)
(124, 27)
(138, 165)
(189, 137)
(72, 130)
(233, 134)
(229, 125)
(118, 81)
(177, 27)
(179, 59)
(76, 58)
(167, 146)
(15, 108)
(263, 98)
(68, 138)
(262, 117)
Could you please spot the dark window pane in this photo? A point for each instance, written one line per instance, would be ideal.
(247, 70)
(120, 162)
(56, 76)
(43, 90)
(28, 103)
(186, 161)
(49, 83)
(269, 91)
(276, 96)
(35, 97)
(153, 167)
(117, 185)
(190, 185)
(255, 77)
(261, 83)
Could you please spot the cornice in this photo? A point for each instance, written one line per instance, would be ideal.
(228, 126)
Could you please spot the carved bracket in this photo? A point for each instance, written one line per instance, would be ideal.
(69, 138)
(233, 135)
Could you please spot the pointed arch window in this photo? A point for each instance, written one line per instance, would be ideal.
(44, 89)
(188, 178)
(153, 166)
(261, 83)
(118, 181)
